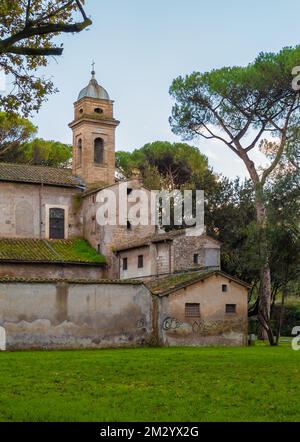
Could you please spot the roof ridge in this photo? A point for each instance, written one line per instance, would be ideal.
(41, 166)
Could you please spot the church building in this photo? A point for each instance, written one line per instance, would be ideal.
(66, 281)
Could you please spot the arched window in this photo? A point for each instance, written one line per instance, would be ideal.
(57, 223)
(98, 110)
(79, 153)
(98, 151)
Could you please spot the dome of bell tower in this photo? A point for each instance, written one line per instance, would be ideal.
(94, 90)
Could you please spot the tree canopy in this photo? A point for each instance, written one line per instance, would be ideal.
(245, 108)
(41, 152)
(27, 32)
(14, 130)
(18, 144)
(166, 165)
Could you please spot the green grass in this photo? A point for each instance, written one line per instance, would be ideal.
(152, 384)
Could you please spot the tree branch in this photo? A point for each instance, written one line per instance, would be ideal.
(32, 29)
(43, 18)
(23, 50)
(27, 13)
(280, 151)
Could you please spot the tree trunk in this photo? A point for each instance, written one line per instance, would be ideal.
(281, 315)
(265, 293)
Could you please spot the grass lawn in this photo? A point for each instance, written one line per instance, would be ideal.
(171, 384)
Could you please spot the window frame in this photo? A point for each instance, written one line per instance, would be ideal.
(140, 261)
(48, 207)
(193, 306)
(79, 153)
(101, 161)
(125, 264)
(230, 312)
(63, 227)
(224, 288)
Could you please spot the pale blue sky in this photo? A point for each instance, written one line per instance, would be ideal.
(139, 46)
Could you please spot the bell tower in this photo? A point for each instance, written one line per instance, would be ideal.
(94, 129)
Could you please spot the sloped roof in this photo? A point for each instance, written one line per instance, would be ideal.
(172, 283)
(25, 173)
(21, 279)
(147, 240)
(156, 238)
(49, 251)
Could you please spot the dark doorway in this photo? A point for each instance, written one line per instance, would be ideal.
(57, 223)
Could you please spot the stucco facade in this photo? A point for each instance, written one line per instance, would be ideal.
(24, 209)
(167, 253)
(81, 314)
(74, 315)
(212, 326)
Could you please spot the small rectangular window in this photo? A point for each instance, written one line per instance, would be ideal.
(140, 261)
(224, 288)
(125, 263)
(93, 226)
(128, 225)
(192, 310)
(230, 308)
(196, 258)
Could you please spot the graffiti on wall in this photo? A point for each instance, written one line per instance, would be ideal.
(171, 324)
(201, 327)
(141, 323)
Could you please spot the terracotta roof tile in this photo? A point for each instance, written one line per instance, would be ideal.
(25, 173)
(49, 251)
(19, 279)
(166, 285)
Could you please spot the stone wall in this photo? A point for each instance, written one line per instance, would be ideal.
(23, 209)
(185, 247)
(70, 315)
(107, 238)
(52, 271)
(60, 315)
(213, 326)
